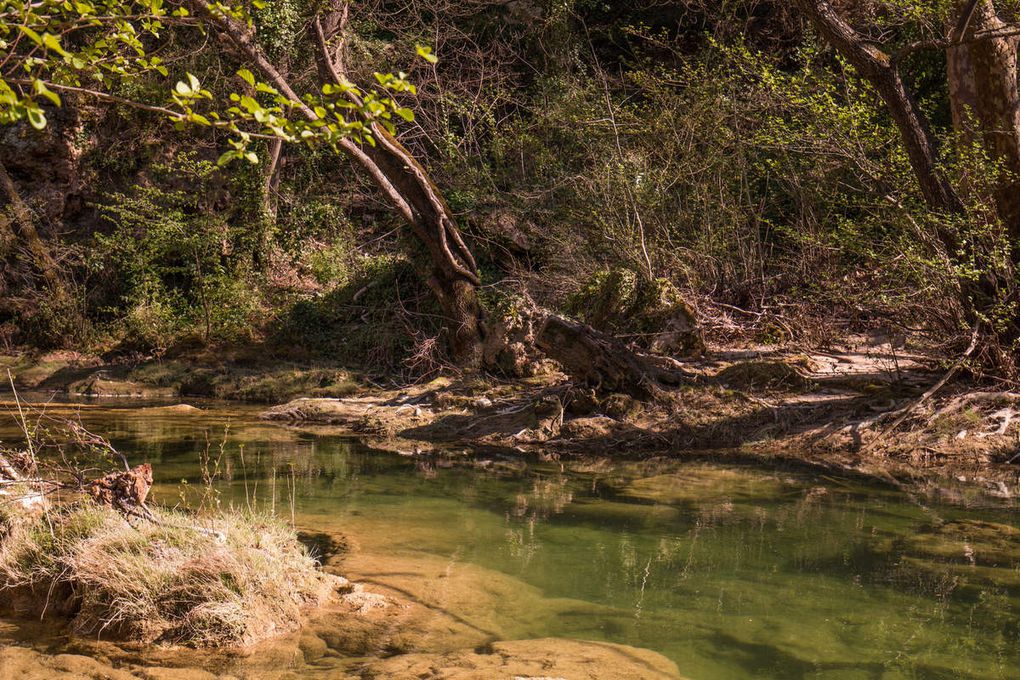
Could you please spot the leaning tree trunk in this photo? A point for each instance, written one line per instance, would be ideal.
(978, 298)
(452, 274)
(982, 71)
(452, 271)
(880, 70)
(28, 237)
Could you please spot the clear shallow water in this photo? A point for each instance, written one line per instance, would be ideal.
(729, 571)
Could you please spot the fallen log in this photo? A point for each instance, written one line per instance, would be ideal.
(602, 361)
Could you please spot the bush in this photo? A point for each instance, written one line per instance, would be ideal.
(180, 267)
(373, 320)
(651, 313)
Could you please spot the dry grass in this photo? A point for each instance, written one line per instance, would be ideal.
(232, 580)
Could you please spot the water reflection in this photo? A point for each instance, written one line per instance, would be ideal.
(732, 573)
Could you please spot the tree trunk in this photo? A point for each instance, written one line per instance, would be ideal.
(601, 361)
(271, 179)
(451, 272)
(881, 72)
(983, 87)
(982, 71)
(29, 237)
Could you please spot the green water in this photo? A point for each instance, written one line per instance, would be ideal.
(731, 572)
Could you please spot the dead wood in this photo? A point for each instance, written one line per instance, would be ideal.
(123, 490)
(601, 361)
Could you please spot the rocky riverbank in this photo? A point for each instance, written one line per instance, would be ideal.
(853, 409)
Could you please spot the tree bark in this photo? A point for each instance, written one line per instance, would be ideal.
(29, 236)
(983, 82)
(601, 361)
(452, 274)
(982, 72)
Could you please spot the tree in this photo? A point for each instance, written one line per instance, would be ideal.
(982, 82)
(982, 74)
(90, 47)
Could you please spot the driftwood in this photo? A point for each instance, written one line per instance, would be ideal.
(123, 490)
(601, 361)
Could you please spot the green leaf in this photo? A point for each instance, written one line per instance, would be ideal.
(425, 53)
(52, 42)
(247, 76)
(406, 114)
(41, 89)
(37, 118)
(32, 35)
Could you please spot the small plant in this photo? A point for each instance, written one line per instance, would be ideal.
(233, 579)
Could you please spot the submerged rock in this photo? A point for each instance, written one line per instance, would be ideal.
(699, 484)
(175, 409)
(28, 664)
(967, 541)
(533, 659)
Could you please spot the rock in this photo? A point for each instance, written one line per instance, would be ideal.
(588, 428)
(99, 385)
(705, 484)
(312, 647)
(967, 542)
(28, 664)
(322, 546)
(532, 659)
(127, 489)
(581, 402)
(763, 375)
(161, 673)
(621, 406)
(171, 410)
(652, 311)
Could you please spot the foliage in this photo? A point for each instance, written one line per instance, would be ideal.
(88, 47)
(720, 151)
(179, 265)
(372, 320)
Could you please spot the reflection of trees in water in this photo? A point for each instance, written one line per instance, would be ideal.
(548, 496)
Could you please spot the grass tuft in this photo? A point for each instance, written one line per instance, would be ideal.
(233, 580)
